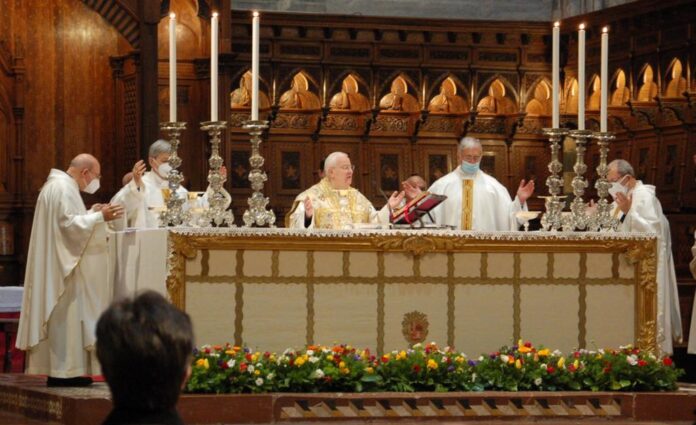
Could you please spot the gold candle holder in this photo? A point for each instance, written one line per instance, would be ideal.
(217, 212)
(552, 219)
(175, 214)
(578, 217)
(602, 220)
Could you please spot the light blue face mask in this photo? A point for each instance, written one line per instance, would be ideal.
(469, 168)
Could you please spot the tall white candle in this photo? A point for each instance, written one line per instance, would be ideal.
(214, 68)
(581, 77)
(556, 75)
(172, 67)
(255, 67)
(604, 81)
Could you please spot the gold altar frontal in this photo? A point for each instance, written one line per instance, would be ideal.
(273, 289)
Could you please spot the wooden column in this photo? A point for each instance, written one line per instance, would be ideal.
(149, 16)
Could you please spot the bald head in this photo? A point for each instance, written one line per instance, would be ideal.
(418, 181)
(83, 169)
(84, 161)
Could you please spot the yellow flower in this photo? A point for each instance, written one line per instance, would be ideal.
(329, 358)
(369, 370)
(511, 360)
(544, 352)
(520, 343)
(459, 359)
(576, 363)
(345, 371)
(523, 349)
(272, 358)
(230, 352)
(599, 356)
(203, 363)
(518, 364)
(432, 364)
(401, 355)
(257, 372)
(300, 361)
(254, 357)
(236, 348)
(561, 363)
(342, 365)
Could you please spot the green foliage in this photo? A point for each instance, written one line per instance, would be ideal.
(342, 368)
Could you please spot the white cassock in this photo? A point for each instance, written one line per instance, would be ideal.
(142, 207)
(691, 349)
(487, 201)
(646, 216)
(67, 283)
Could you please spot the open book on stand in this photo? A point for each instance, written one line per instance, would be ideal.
(416, 208)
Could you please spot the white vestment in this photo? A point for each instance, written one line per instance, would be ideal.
(67, 283)
(691, 349)
(646, 215)
(493, 209)
(143, 209)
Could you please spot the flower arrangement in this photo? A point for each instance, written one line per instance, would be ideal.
(342, 368)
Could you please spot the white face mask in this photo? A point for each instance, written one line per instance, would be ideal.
(92, 187)
(617, 188)
(163, 170)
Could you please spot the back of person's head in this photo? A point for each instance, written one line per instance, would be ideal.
(144, 346)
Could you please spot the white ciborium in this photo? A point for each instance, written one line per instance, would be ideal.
(526, 217)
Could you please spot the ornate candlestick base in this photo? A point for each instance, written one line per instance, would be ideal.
(174, 215)
(578, 217)
(257, 213)
(552, 219)
(602, 219)
(218, 200)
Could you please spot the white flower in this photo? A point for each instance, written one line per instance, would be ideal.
(230, 363)
(325, 350)
(310, 352)
(313, 359)
(473, 377)
(480, 358)
(504, 358)
(537, 382)
(601, 351)
(259, 365)
(542, 366)
(251, 369)
(557, 353)
(214, 355)
(259, 382)
(270, 376)
(417, 346)
(632, 359)
(318, 374)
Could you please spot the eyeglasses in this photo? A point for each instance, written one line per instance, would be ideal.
(471, 158)
(347, 167)
(97, 176)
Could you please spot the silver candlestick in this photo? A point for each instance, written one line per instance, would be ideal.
(174, 215)
(217, 213)
(602, 219)
(551, 220)
(578, 217)
(257, 214)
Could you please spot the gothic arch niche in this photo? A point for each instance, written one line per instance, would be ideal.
(595, 94)
(299, 95)
(541, 101)
(569, 105)
(648, 87)
(240, 98)
(620, 93)
(350, 97)
(500, 99)
(399, 99)
(449, 101)
(189, 27)
(676, 83)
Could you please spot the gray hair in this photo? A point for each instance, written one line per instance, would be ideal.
(622, 167)
(330, 160)
(468, 143)
(159, 147)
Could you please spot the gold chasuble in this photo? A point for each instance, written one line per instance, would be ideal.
(333, 208)
(467, 203)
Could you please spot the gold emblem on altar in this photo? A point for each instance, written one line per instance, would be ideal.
(415, 327)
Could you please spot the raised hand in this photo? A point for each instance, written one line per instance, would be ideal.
(525, 191)
(308, 208)
(138, 171)
(623, 202)
(395, 199)
(410, 190)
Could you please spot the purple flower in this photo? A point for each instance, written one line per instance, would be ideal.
(247, 350)
(450, 369)
(493, 355)
(472, 363)
(356, 357)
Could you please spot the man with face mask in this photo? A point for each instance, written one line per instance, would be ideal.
(475, 200)
(65, 288)
(639, 210)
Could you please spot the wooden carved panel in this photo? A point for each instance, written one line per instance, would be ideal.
(495, 160)
(239, 170)
(643, 158)
(388, 166)
(291, 170)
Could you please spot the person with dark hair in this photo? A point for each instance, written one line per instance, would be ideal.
(145, 347)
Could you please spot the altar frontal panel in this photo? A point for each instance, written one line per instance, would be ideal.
(470, 297)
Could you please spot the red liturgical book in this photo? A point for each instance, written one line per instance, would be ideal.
(416, 208)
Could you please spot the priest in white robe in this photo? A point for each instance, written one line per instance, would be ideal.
(334, 204)
(691, 349)
(639, 210)
(66, 286)
(142, 197)
(475, 200)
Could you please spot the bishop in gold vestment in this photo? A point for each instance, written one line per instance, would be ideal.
(333, 204)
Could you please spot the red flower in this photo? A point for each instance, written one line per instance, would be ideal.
(385, 359)
(607, 370)
(576, 354)
(571, 368)
(291, 362)
(550, 369)
(224, 365)
(248, 357)
(243, 367)
(667, 361)
(642, 363)
(267, 354)
(416, 368)
(528, 344)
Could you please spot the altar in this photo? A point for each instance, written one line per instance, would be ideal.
(272, 289)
